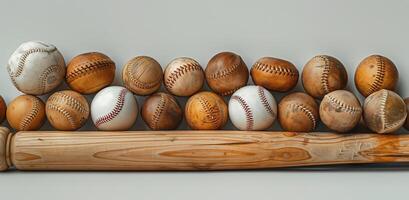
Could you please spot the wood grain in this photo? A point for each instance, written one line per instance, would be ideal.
(199, 150)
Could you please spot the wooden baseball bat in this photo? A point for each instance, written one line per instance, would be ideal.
(193, 150)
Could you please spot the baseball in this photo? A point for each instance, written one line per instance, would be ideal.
(3, 109)
(384, 111)
(340, 110)
(274, 74)
(226, 72)
(114, 109)
(407, 110)
(161, 111)
(298, 112)
(26, 113)
(322, 75)
(375, 73)
(206, 111)
(67, 110)
(183, 76)
(252, 108)
(36, 68)
(90, 72)
(142, 75)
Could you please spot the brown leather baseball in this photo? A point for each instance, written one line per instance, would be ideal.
(298, 112)
(183, 76)
(142, 75)
(3, 109)
(226, 72)
(274, 74)
(407, 110)
(67, 110)
(322, 75)
(89, 72)
(384, 111)
(161, 111)
(340, 110)
(374, 73)
(206, 111)
(26, 113)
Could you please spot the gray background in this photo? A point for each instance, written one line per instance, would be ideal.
(293, 30)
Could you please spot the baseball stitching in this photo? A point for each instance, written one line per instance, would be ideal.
(115, 112)
(379, 76)
(158, 112)
(212, 112)
(89, 68)
(306, 111)
(23, 58)
(325, 74)
(276, 69)
(180, 71)
(339, 104)
(382, 110)
(64, 112)
(264, 100)
(139, 84)
(31, 115)
(44, 75)
(247, 110)
(228, 71)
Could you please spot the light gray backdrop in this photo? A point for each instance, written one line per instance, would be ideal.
(293, 30)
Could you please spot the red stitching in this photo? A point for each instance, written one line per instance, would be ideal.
(264, 100)
(246, 108)
(118, 107)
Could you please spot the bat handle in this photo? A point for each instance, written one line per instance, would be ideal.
(5, 138)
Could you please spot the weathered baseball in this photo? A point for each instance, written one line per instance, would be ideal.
(226, 72)
(407, 110)
(340, 110)
(3, 109)
(322, 75)
(206, 111)
(183, 76)
(274, 74)
(36, 68)
(298, 112)
(90, 72)
(384, 111)
(161, 111)
(67, 110)
(142, 75)
(26, 113)
(114, 108)
(252, 108)
(375, 73)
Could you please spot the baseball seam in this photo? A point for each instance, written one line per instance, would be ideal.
(307, 112)
(31, 115)
(115, 111)
(382, 111)
(138, 83)
(379, 76)
(158, 112)
(228, 71)
(247, 110)
(64, 112)
(23, 58)
(62, 98)
(44, 75)
(275, 69)
(339, 104)
(180, 71)
(212, 112)
(325, 73)
(264, 100)
(89, 68)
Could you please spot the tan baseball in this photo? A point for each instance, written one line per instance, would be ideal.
(183, 76)
(26, 113)
(67, 110)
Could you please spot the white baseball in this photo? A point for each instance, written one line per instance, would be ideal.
(36, 68)
(252, 108)
(114, 108)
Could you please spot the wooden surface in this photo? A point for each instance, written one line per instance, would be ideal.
(199, 150)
